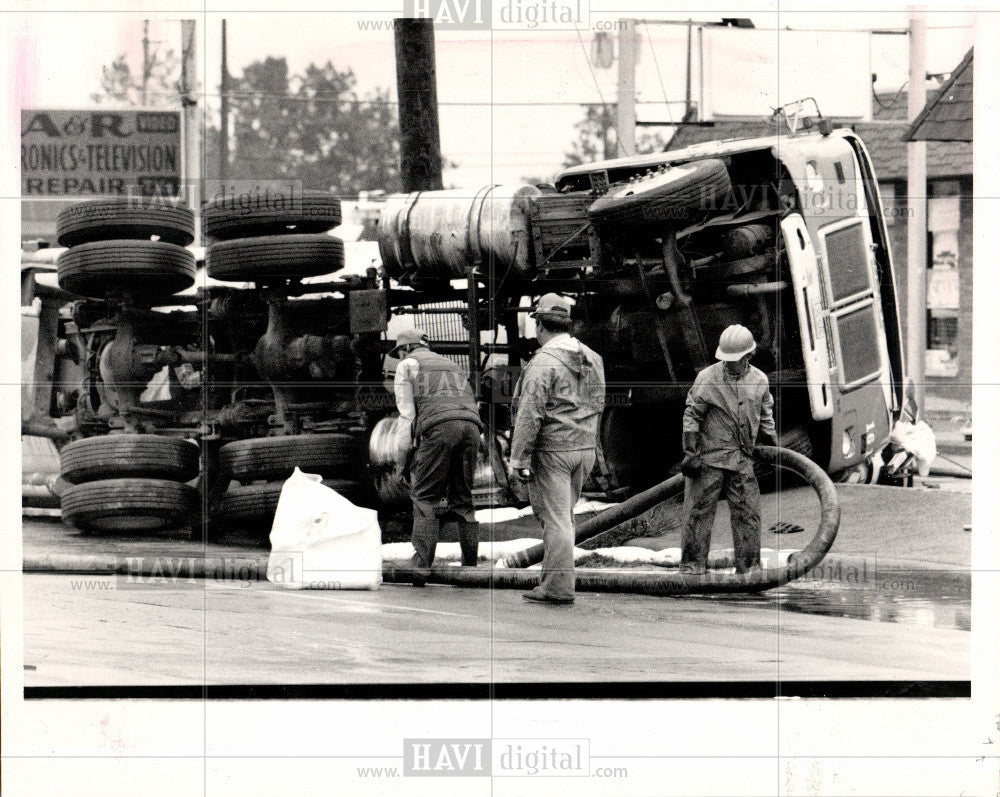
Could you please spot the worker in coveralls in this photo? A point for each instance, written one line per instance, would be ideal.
(557, 405)
(729, 407)
(434, 394)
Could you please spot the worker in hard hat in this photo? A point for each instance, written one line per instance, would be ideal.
(729, 411)
(557, 405)
(433, 392)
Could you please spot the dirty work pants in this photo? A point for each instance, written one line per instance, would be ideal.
(441, 488)
(558, 480)
(701, 494)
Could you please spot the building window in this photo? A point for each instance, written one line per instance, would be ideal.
(942, 357)
(943, 285)
(942, 330)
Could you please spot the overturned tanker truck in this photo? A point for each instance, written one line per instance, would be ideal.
(188, 403)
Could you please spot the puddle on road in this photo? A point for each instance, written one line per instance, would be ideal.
(938, 612)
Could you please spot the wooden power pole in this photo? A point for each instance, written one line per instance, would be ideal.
(192, 120)
(416, 86)
(224, 110)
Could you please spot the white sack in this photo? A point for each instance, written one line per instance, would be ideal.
(320, 540)
(918, 439)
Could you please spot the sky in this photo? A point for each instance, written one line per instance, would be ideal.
(508, 102)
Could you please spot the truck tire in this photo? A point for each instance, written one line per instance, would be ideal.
(253, 505)
(671, 197)
(129, 504)
(275, 257)
(145, 456)
(335, 455)
(308, 212)
(138, 219)
(149, 268)
(797, 439)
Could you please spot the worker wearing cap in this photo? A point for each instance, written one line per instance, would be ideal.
(729, 407)
(434, 394)
(557, 405)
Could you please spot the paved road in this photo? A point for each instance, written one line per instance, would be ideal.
(197, 633)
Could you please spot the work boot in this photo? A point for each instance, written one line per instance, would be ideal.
(424, 539)
(468, 540)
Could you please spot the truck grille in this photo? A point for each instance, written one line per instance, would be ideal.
(847, 257)
(857, 334)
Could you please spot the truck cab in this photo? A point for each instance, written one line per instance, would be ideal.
(820, 295)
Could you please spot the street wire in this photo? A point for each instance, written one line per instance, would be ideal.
(597, 85)
(659, 77)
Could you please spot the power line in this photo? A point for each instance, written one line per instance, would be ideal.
(659, 77)
(393, 103)
(891, 104)
(597, 85)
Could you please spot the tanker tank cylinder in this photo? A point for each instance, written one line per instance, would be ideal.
(747, 241)
(441, 234)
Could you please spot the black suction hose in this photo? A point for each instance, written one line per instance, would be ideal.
(607, 519)
(668, 582)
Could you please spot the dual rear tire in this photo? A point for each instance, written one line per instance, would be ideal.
(129, 482)
(132, 246)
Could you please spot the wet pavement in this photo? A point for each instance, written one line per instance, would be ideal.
(932, 611)
(192, 633)
(892, 600)
(929, 598)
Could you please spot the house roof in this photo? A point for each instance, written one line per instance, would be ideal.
(883, 136)
(947, 116)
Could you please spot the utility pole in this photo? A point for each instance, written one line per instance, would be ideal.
(145, 61)
(687, 74)
(916, 212)
(625, 109)
(192, 124)
(416, 87)
(224, 111)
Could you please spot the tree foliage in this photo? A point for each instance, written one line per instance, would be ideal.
(312, 127)
(597, 139)
(120, 86)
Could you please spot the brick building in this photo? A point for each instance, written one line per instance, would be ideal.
(949, 220)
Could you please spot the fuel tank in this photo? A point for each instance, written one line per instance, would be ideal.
(439, 234)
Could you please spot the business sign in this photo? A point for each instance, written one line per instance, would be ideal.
(86, 154)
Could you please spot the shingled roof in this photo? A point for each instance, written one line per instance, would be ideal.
(884, 137)
(948, 116)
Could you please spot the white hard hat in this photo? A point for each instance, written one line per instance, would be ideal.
(735, 342)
